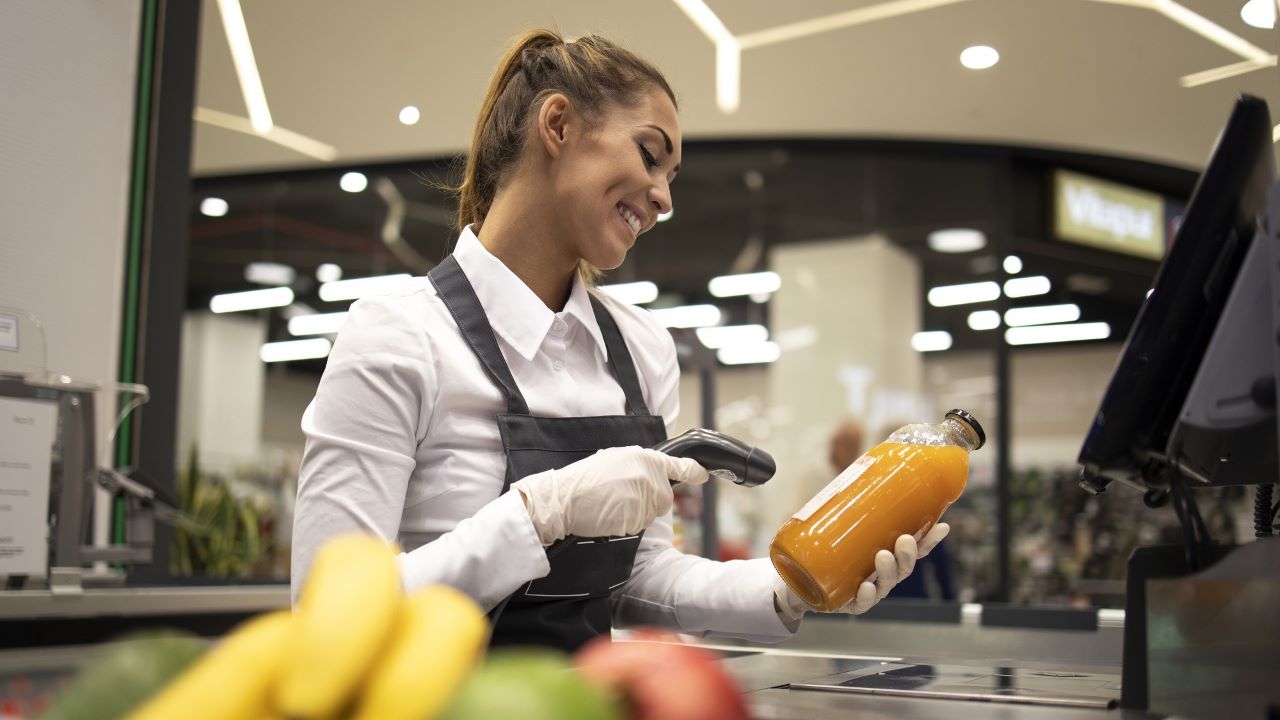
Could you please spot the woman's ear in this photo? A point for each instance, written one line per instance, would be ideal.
(554, 120)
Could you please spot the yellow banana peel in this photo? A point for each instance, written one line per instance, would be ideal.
(440, 636)
(345, 615)
(233, 680)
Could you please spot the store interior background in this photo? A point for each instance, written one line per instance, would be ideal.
(849, 145)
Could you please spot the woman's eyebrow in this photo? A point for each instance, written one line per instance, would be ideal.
(670, 146)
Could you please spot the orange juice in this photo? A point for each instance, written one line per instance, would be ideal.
(828, 548)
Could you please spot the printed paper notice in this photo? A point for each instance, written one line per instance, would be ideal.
(27, 430)
(8, 332)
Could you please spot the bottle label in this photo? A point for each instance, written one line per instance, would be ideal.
(842, 481)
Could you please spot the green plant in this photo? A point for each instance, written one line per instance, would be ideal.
(225, 538)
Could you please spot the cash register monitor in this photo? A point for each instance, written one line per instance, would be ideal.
(1129, 440)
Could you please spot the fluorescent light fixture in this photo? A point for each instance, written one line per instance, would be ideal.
(1013, 264)
(1204, 77)
(297, 309)
(979, 57)
(705, 19)
(213, 207)
(931, 341)
(284, 138)
(984, 320)
(1212, 31)
(765, 352)
(287, 350)
(269, 273)
(632, 293)
(744, 284)
(328, 272)
(321, 324)
(728, 75)
(255, 98)
(957, 240)
(1074, 332)
(732, 335)
(353, 182)
(1042, 315)
(688, 316)
(1259, 13)
(409, 115)
(948, 295)
(251, 300)
(356, 288)
(1026, 286)
(836, 21)
(663, 217)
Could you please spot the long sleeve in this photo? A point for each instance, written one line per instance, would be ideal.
(372, 409)
(692, 594)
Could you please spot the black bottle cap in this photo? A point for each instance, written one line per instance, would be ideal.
(972, 422)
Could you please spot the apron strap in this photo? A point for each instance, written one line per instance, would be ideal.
(461, 301)
(624, 369)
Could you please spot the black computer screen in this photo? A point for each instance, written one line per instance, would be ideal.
(1163, 351)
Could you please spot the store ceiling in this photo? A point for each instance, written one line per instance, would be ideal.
(1091, 75)
(816, 132)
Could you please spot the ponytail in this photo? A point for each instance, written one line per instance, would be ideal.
(591, 71)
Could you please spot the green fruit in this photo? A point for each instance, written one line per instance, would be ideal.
(124, 674)
(531, 684)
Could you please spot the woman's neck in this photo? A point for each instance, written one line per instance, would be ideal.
(523, 234)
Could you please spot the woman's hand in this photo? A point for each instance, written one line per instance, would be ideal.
(891, 569)
(617, 491)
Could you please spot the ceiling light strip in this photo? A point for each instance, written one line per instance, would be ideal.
(1204, 77)
(859, 16)
(706, 20)
(278, 135)
(255, 98)
(1211, 31)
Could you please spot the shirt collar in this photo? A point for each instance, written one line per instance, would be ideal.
(514, 311)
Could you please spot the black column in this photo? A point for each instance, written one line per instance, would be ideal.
(161, 239)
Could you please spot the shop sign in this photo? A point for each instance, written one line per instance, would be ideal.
(1108, 215)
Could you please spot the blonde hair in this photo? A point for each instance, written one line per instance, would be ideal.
(591, 71)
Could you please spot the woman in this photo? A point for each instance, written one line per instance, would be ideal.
(502, 370)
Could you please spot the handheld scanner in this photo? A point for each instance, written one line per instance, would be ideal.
(724, 457)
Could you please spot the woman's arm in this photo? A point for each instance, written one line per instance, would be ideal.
(373, 407)
(684, 592)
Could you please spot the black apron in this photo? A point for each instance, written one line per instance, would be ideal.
(570, 605)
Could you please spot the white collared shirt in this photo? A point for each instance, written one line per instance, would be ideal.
(402, 443)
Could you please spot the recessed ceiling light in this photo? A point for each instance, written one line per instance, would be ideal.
(409, 115)
(269, 273)
(353, 182)
(948, 295)
(957, 240)
(328, 272)
(931, 341)
(1026, 286)
(979, 57)
(1013, 264)
(1259, 13)
(213, 207)
(984, 320)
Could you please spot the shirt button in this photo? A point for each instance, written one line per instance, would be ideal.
(557, 366)
(558, 327)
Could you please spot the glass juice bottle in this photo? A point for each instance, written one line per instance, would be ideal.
(899, 487)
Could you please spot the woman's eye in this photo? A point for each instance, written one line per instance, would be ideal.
(649, 161)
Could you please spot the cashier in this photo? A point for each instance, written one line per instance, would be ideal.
(484, 413)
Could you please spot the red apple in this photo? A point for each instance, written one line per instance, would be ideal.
(662, 678)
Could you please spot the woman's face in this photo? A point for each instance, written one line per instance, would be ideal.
(615, 179)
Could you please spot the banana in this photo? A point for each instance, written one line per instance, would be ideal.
(233, 680)
(440, 636)
(345, 615)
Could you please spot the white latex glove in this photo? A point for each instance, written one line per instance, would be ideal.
(617, 491)
(891, 569)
